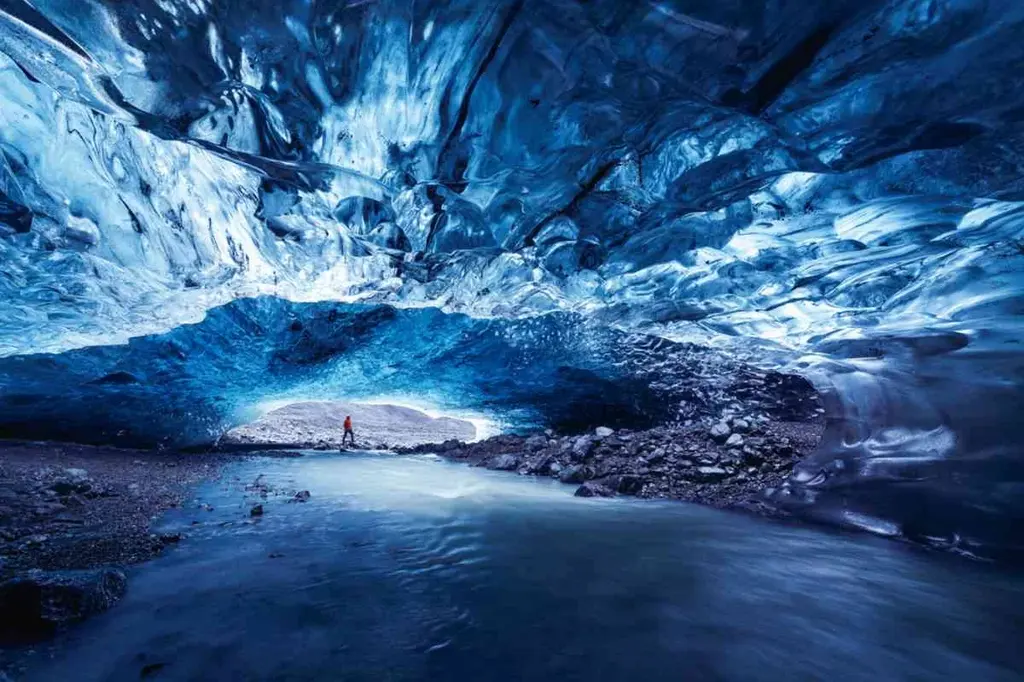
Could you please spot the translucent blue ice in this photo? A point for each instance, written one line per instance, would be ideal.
(835, 188)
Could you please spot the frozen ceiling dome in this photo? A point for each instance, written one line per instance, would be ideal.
(765, 168)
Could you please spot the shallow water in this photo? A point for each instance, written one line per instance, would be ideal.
(409, 568)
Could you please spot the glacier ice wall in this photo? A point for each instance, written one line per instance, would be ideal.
(832, 188)
(190, 385)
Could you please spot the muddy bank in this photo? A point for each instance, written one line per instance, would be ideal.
(735, 462)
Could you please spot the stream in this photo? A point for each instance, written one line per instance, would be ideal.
(411, 568)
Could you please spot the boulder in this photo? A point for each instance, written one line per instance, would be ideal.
(538, 464)
(505, 462)
(534, 443)
(36, 605)
(594, 489)
(603, 431)
(740, 425)
(256, 510)
(301, 496)
(734, 441)
(720, 431)
(573, 474)
(581, 448)
(630, 484)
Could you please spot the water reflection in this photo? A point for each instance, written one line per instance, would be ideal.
(414, 569)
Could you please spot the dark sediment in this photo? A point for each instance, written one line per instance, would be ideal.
(71, 517)
(68, 507)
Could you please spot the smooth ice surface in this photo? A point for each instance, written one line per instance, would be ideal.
(833, 187)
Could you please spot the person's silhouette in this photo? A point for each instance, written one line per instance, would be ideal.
(348, 431)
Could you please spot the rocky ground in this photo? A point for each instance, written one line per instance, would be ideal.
(70, 517)
(739, 431)
(736, 461)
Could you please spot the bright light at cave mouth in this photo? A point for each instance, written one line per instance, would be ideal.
(529, 214)
(483, 425)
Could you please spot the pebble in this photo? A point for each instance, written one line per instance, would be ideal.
(720, 431)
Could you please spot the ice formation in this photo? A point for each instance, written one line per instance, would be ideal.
(833, 188)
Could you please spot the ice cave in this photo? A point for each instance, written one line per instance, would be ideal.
(560, 215)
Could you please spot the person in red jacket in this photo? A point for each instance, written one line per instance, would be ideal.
(348, 431)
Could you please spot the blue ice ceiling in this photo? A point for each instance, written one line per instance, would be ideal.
(782, 170)
(831, 187)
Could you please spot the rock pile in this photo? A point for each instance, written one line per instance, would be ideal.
(729, 461)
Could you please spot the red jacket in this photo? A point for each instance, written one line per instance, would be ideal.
(348, 423)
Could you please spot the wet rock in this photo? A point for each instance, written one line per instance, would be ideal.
(708, 474)
(581, 448)
(740, 425)
(69, 485)
(752, 456)
(734, 441)
(656, 457)
(594, 489)
(534, 443)
(36, 605)
(573, 474)
(720, 431)
(603, 431)
(301, 496)
(629, 484)
(505, 462)
(257, 510)
(555, 468)
(538, 465)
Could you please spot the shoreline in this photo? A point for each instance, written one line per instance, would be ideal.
(738, 463)
(66, 506)
(72, 517)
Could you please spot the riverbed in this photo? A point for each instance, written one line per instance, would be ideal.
(412, 568)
